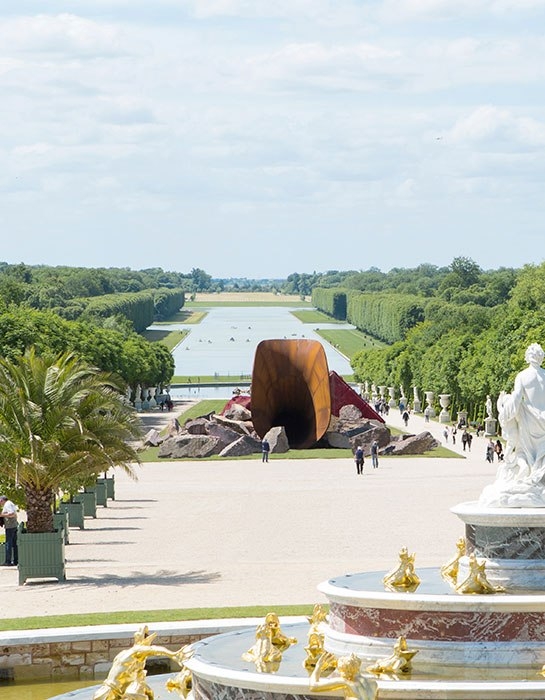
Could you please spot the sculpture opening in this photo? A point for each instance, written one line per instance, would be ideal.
(290, 388)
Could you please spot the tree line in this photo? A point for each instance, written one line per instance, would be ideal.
(460, 330)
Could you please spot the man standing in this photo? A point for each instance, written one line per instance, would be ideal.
(374, 454)
(9, 514)
(358, 459)
(265, 449)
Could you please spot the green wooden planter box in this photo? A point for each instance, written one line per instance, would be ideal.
(61, 520)
(110, 486)
(100, 490)
(89, 500)
(74, 512)
(41, 555)
(2, 552)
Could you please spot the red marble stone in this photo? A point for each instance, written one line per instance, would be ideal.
(438, 626)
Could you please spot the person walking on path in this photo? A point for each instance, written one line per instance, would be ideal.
(490, 451)
(445, 434)
(405, 417)
(9, 515)
(465, 439)
(453, 433)
(265, 449)
(374, 454)
(469, 439)
(358, 458)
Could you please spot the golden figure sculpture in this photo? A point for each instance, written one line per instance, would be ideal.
(290, 388)
(182, 683)
(138, 689)
(315, 645)
(476, 581)
(270, 644)
(400, 661)
(128, 668)
(319, 615)
(350, 680)
(449, 571)
(314, 649)
(403, 577)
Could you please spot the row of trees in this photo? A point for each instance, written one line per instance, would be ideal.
(468, 350)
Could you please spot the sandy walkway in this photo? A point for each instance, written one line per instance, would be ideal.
(199, 534)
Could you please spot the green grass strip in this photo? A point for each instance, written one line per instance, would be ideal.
(138, 616)
(210, 379)
(349, 341)
(314, 316)
(169, 338)
(183, 316)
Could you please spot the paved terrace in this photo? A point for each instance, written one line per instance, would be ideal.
(200, 534)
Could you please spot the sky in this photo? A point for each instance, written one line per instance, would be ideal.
(256, 138)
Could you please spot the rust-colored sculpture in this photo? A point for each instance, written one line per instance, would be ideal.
(290, 388)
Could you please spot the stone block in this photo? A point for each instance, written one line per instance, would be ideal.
(94, 657)
(39, 651)
(33, 672)
(101, 669)
(100, 645)
(72, 659)
(9, 660)
(81, 645)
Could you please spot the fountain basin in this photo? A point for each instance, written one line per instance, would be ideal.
(447, 628)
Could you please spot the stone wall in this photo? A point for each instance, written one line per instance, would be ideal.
(88, 652)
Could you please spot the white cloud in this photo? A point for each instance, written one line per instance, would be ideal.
(59, 34)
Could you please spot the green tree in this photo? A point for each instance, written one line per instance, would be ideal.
(62, 422)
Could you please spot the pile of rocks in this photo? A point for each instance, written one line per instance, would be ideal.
(233, 435)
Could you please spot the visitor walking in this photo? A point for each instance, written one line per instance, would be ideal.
(445, 434)
(265, 449)
(358, 459)
(374, 454)
(405, 417)
(9, 516)
(490, 449)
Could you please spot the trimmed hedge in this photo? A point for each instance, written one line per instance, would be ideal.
(331, 301)
(385, 316)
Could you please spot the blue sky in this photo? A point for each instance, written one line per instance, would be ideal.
(255, 139)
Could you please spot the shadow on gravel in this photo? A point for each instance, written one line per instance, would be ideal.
(163, 577)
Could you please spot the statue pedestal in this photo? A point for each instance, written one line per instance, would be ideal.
(512, 540)
(490, 427)
(444, 416)
(417, 408)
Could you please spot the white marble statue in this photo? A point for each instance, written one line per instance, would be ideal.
(520, 480)
(489, 407)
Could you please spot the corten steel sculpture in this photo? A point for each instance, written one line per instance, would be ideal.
(290, 388)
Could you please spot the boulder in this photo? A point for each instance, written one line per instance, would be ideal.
(197, 426)
(411, 444)
(193, 446)
(278, 440)
(224, 434)
(379, 433)
(238, 426)
(237, 412)
(350, 414)
(152, 438)
(338, 440)
(245, 445)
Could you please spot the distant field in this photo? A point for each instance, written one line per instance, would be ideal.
(203, 301)
(313, 316)
(349, 342)
(225, 297)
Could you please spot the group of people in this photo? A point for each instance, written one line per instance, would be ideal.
(494, 448)
(359, 456)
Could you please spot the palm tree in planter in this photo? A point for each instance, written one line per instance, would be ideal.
(62, 422)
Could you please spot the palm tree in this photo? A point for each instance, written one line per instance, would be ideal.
(62, 422)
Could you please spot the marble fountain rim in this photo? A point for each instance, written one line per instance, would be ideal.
(473, 513)
(477, 690)
(498, 602)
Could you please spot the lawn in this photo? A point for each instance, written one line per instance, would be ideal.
(183, 316)
(169, 338)
(132, 616)
(314, 316)
(349, 341)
